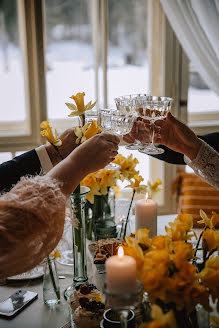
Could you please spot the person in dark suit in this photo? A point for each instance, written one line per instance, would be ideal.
(35, 161)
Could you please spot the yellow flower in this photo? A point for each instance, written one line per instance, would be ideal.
(211, 237)
(47, 133)
(162, 320)
(205, 220)
(143, 237)
(56, 253)
(215, 218)
(116, 190)
(127, 165)
(210, 276)
(79, 108)
(180, 228)
(86, 132)
(154, 187)
(214, 321)
(140, 189)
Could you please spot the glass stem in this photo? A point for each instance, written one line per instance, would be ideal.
(123, 318)
(152, 135)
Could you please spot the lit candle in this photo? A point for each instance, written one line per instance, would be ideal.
(146, 215)
(121, 273)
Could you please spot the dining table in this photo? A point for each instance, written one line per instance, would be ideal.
(39, 315)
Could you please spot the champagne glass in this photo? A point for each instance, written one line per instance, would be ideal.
(153, 108)
(129, 103)
(118, 122)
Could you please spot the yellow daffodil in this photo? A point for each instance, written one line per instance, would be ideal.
(211, 238)
(215, 218)
(210, 276)
(56, 253)
(214, 321)
(140, 189)
(116, 190)
(205, 220)
(180, 228)
(79, 109)
(154, 187)
(127, 165)
(86, 132)
(48, 134)
(162, 320)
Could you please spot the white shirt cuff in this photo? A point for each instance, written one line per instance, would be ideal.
(44, 159)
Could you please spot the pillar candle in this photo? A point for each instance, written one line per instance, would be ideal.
(146, 215)
(121, 273)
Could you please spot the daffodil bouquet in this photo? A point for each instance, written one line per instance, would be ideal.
(167, 267)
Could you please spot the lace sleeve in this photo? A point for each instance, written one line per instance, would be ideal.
(31, 223)
(206, 164)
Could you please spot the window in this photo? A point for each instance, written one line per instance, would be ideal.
(203, 103)
(11, 70)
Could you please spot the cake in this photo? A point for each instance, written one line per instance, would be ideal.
(89, 313)
(89, 291)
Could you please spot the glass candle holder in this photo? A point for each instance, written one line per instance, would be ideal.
(124, 302)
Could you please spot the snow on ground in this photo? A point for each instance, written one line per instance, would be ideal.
(69, 70)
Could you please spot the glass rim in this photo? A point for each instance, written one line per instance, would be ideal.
(83, 191)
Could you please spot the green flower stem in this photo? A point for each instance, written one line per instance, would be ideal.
(127, 218)
(53, 279)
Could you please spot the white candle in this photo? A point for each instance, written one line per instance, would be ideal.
(146, 215)
(120, 273)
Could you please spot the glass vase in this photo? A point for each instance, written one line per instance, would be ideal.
(79, 239)
(51, 289)
(101, 215)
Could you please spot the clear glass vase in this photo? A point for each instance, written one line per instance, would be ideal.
(51, 289)
(100, 220)
(79, 239)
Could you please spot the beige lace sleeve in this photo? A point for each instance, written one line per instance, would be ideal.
(206, 164)
(31, 223)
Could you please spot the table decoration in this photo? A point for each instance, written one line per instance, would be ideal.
(170, 274)
(100, 200)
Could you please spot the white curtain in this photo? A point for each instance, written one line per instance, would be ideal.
(196, 25)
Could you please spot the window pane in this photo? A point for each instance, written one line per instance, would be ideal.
(11, 66)
(69, 54)
(5, 157)
(200, 98)
(127, 48)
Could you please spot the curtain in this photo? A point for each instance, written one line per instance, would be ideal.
(196, 25)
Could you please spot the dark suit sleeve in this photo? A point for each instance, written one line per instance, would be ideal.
(11, 171)
(172, 157)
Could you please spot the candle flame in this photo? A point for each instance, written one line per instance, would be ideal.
(147, 196)
(120, 252)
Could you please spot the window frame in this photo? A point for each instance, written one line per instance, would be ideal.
(25, 135)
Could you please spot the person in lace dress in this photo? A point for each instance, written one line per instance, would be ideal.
(178, 137)
(32, 213)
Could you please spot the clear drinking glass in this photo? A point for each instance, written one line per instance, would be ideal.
(153, 108)
(117, 122)
(129, 103)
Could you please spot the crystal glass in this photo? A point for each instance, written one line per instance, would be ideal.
(152, 109)
(117, 122)
(129, 103)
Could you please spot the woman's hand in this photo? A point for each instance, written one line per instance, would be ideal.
(98, 151)
(89, 157)
(175, 135)
(138, 132)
